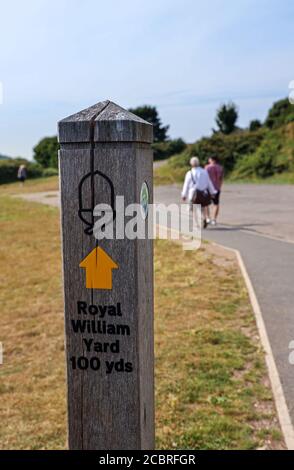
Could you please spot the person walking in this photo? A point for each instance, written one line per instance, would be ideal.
(22, 174)
(198, 188)
(216, 174)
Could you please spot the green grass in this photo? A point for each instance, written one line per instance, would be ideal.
(280, 178)
(31, 186)
(212, 389)
(169, 173)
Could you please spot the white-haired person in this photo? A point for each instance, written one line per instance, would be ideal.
(198, 188)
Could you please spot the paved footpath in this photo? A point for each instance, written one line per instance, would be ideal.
(258, 221)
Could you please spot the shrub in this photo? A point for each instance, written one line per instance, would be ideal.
(164, 150)
(9, 168)
(254, 125)
(50, 172)
(282, 112)
(259, 151)
(228, 148)
(290, 117)
(274, 155)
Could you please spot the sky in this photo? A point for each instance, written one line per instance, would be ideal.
(184, 56)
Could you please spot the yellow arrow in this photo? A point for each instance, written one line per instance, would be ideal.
(99, 266)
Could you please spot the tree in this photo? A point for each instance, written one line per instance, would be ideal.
(150, 114)
(254, 125)
(162, 150)
(280, 113)
(46, 152)
(226, 118)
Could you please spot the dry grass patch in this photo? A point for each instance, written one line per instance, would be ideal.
(31, 186)
(32, 382)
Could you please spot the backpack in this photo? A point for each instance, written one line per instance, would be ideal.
(200, 197)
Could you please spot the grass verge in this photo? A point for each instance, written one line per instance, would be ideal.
(279, 178)
(169, 174)
(31, 186)
(212, 390)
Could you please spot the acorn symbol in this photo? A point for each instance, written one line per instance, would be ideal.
(91, 187)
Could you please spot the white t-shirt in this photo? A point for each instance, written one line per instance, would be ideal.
(201, 182)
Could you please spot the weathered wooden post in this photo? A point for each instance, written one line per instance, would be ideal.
(105, 152)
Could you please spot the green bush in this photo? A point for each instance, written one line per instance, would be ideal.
(290, 117)
(274, 155)
(260, 151)
(282, 112)
(254, 125)
(228, 148)
(166, 149)
(50, 172)
(9, 168)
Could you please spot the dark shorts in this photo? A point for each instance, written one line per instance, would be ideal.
(215, 198)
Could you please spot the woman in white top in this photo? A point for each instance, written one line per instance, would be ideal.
(197, 179)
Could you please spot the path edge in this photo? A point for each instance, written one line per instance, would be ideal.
(279, 398)
(276, 386)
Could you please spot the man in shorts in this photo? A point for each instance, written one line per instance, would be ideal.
(216, 174)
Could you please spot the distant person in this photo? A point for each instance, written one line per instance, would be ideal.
(216, 174)
(198, 188)
(22, 174)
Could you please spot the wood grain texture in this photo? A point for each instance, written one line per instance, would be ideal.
(115, 124)
(77, 127)
(111, 123)
(108, 411)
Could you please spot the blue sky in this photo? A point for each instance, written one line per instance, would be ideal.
(184, 56)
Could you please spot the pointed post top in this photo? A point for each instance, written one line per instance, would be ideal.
(104, 122)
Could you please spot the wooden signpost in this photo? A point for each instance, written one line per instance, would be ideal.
(105, 152)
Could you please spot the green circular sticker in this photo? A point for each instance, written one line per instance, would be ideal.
(144, 199)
